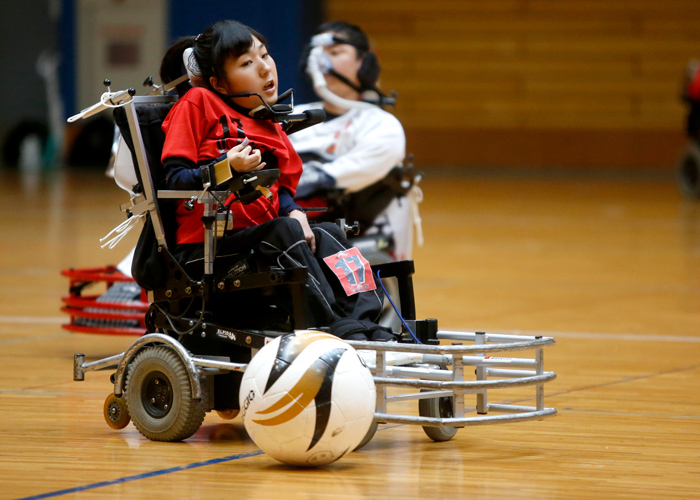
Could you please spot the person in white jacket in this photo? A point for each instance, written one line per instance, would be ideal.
(359, 143)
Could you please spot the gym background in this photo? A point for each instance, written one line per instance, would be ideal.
(515, 85)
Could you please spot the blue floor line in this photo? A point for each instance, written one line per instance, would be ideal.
(145, 475)
(141, 476)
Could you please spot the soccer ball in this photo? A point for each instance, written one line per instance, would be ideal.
(307, 398)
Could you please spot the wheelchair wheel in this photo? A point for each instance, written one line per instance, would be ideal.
(159, 396)
(688, 172)
(368, 437)
(115, 412)
(440, 407)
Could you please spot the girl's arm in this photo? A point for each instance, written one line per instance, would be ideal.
(287, 203)
(184, 130)
(309, 236)
(184, 174)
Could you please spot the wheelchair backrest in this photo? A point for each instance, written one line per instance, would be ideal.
(146, 147)
(150, 118)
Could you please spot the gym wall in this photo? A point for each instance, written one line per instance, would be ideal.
(535, 84)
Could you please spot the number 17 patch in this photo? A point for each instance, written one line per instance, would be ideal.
(353, 271)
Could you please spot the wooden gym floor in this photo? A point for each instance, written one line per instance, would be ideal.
(610, 267)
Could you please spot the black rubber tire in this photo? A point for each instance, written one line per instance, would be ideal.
(368, 437)
(440, 407)
(688, 171)
(159, 397)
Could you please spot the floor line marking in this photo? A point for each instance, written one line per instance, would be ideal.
(144, 475)
(35, 338)
(34, 320)
(606, 336)
(38, 392)
(623, 380)
(630, 414)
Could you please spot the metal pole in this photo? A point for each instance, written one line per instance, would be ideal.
(481, 399)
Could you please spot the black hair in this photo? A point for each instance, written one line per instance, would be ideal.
(351, 33)
(172, 67)
(211, 49)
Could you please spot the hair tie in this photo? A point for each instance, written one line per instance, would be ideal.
(197, 37)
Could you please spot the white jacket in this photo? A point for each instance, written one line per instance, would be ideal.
(359, 147)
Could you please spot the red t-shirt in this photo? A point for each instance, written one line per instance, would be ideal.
(201, 127)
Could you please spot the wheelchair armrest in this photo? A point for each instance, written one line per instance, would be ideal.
(251, 185)
(403, 271)
(398, 269)
(247, 187)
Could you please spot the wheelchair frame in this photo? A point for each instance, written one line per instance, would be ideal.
(439, 372)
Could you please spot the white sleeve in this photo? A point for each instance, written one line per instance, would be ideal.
(380, 145)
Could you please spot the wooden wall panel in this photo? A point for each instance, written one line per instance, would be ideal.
(537, 75)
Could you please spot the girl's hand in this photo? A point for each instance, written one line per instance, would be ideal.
(244, 158)
(308, 233)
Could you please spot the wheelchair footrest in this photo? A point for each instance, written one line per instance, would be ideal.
(443, 377)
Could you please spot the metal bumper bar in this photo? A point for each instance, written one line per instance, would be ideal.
(445, 370)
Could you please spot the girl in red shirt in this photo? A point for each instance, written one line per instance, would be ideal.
(216, 122)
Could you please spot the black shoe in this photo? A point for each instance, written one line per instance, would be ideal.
(355, 336)
(381, 335)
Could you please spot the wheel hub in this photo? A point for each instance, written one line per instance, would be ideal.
(114, 411)
(446, 408)
(157, 395)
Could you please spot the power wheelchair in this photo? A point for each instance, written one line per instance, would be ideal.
(192, 358)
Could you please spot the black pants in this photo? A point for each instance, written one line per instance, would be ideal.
(280, 242)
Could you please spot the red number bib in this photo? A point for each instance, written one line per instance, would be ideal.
(353, 271)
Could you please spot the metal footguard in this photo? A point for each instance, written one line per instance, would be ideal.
(440, 371)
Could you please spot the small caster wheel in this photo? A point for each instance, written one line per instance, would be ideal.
(228, 414)
(440, 407)
(116, 414)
